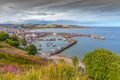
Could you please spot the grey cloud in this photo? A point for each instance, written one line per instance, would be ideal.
(57, 4)
(52, 7)
(38, 13)
(11, 7)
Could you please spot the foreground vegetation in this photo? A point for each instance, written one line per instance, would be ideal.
(102, 64)
(22, 66)
(60, 71)
(16, 64)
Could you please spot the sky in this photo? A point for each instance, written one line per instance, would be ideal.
(104, 13)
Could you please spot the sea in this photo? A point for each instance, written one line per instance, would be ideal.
(85, 44)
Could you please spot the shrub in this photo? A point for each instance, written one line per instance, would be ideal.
(3, 36)
(75, 61)
(14, 37)
(31, 49)
(23, 42)
(102, 64)
(13, 43)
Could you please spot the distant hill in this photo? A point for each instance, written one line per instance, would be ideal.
(59, 26)
(43, 25)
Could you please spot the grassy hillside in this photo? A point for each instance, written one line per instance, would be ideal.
(17, 59)
(16, 64)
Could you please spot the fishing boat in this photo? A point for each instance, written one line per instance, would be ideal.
(40, 49)
(58, 47)
(54, 45)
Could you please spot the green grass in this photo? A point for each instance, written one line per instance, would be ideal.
(14, 59)
(4, 44)
(12, 55)
(61, 71)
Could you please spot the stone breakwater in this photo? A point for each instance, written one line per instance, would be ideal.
(69, 35)
(71, 42)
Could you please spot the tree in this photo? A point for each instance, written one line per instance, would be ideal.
(13, 43)
(102, 64)
(31, 49)
(14, 37)
(23, 42)
(3, 36)
(75, 61)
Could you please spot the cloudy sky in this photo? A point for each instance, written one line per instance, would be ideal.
(79, 12)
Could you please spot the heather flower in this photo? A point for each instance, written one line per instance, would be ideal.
(10, 68)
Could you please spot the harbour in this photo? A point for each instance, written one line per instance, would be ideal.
(65, 37)
(85, 44)
(55, 41)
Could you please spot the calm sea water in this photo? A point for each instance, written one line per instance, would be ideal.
(86, 44)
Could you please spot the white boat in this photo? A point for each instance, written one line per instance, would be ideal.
(54, 45)
(58, 47)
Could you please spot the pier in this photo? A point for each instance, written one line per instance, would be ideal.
(71, 42)
(69, 35)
